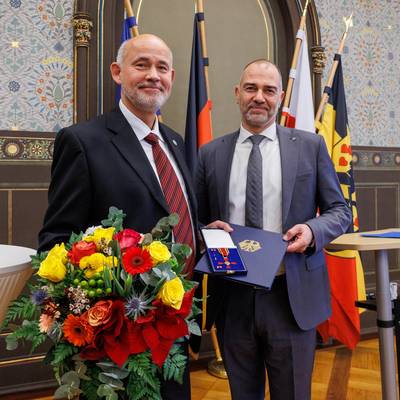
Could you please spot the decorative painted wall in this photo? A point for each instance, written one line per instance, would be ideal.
(371, 64)
(36, 75)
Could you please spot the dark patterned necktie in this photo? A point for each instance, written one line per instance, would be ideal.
(173, 193)
(254, 185)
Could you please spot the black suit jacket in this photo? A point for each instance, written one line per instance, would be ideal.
(98, 164)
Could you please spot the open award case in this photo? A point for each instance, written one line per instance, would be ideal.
(261, 253)
(222, 253)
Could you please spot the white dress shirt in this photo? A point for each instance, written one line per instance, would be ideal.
(141, 130)
(272, 179)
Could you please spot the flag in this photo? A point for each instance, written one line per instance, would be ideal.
(129, 22)
(345, 269)
(198, 131)
(198, 116)
(300, 113)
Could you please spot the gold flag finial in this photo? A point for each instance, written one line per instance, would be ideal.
(348, 22)
(305, 8)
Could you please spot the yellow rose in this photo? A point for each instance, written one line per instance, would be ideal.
(171, 293)
(101, 236)
(95, 263)
(159, 252)
(53, 266)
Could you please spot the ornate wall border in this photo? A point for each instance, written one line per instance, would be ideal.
(376, 158)
(26, 147)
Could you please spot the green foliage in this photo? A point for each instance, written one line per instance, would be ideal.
(181, 253)
(89, 386)
(174, 365)
(69, 388)
(61, 352)
(37, 259)
(89, 389)
(143, 380)
(75, 237)
(20, 308)
(29, 330)
(115, 218)
(162, 231)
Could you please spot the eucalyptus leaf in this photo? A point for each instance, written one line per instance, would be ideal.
(173, 219)
(149, 278)
(71, 378)
(117, 373)
(147, 239)
(11, 343)
(108, 379)
(194, 328)
(62, 392)
(105, 365)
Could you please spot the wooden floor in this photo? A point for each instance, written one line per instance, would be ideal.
(339, 374)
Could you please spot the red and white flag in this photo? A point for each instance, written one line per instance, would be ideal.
(300, 113)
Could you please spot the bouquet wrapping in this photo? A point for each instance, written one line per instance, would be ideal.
(116, 307)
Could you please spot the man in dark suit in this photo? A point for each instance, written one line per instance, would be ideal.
(278, 182)
(112, 161)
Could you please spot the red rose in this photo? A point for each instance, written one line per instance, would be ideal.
(112, 338)
(81, 249)
(128, 238)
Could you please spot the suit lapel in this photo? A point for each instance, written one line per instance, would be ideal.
(223, 162)
(125, 140)
(289, 150)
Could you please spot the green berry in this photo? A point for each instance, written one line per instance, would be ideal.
(91, 293)
(97, 275)
(92, 282)
(108, 290)
(100, 283)
(84, 284)
(76, 282)
(99, 291)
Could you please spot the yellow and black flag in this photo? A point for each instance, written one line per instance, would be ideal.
(345, 268)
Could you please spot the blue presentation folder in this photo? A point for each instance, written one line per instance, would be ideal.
(389, 235)
(262, 253)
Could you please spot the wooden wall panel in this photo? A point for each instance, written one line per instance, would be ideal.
(28, 208)
(3, 216)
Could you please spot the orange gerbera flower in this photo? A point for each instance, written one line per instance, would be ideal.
(77, 331)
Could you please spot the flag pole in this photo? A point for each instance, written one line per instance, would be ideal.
(349, 23)
(200, 10)
(292, 73)
(129, 12)
(215, 367)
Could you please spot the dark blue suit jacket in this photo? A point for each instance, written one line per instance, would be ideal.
(98, 164)
(309, 185)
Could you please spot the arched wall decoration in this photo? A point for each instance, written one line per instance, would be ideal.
(95, 90)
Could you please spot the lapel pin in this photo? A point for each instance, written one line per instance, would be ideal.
(174, 142)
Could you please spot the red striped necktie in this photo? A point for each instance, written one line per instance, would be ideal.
(173, 193)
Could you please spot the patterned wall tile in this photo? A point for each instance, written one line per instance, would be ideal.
(371, 62)
(36, 68)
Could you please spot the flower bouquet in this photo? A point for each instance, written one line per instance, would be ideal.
(115, 305)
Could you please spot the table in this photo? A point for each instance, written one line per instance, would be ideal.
(15, 270)
(354, 241)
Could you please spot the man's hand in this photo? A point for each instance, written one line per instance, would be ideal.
(300, 237)
(220, 225)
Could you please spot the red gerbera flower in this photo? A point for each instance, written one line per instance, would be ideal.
(137, 260)
(77, 331)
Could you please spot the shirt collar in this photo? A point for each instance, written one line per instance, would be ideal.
(140, 129)
(269, 133)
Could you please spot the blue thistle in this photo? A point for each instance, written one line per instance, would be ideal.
(137, 305)
(39, 296)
